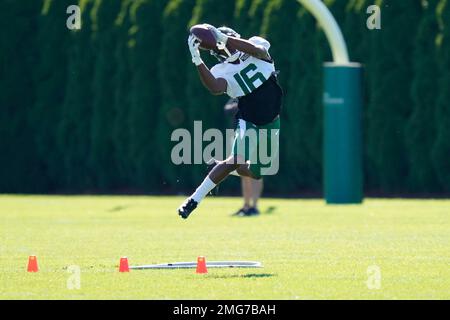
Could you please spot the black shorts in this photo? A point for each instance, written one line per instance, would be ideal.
(262, 105)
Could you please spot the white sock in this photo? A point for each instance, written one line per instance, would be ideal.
(201, 192)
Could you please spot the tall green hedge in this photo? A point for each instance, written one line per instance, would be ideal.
(302, 107)
(104, 37)
(20, 166)
(441, 146)
(145, 91)
(53, 44)
(173, 111)
(120, 107)
(389, 108)
(74, 127)
(92, 110)
(420, 131)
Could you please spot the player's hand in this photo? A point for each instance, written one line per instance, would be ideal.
(221, 39)
(193, 44)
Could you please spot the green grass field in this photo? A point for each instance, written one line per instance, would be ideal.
(309, 250)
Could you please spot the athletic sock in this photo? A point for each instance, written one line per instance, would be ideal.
(201, 192)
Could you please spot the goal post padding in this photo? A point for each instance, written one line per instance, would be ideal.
(342, 139)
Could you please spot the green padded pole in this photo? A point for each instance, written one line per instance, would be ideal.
(342, 139)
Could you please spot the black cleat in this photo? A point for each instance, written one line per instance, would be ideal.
(187, 207)
(251, 212)
(239, 213)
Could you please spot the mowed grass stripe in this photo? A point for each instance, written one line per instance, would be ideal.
(309, 250)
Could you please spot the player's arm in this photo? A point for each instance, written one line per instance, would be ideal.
(242, 45)
(215, 85)
(247, 47)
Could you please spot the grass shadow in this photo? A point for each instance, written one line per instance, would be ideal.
(270, 210)
(119, 208)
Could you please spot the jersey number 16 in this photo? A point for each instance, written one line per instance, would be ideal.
(247, 83)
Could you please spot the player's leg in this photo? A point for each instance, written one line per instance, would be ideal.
(246, 188)
(242, 147)
(256, 188)
(224, 168)
(247, 191)
(220, 171)
(267, 138)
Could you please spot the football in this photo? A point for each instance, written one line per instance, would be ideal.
(206, 37)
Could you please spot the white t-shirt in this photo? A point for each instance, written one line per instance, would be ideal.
(249, 74)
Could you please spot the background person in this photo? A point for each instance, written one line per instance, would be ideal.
(251, 188)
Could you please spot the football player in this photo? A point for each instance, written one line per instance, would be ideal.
(251, 188)
(245, 71)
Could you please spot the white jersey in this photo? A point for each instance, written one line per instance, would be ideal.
(244, 77)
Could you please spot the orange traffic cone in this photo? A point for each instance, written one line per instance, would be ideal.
(124, 265)
(201, 265)
(32, 264)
